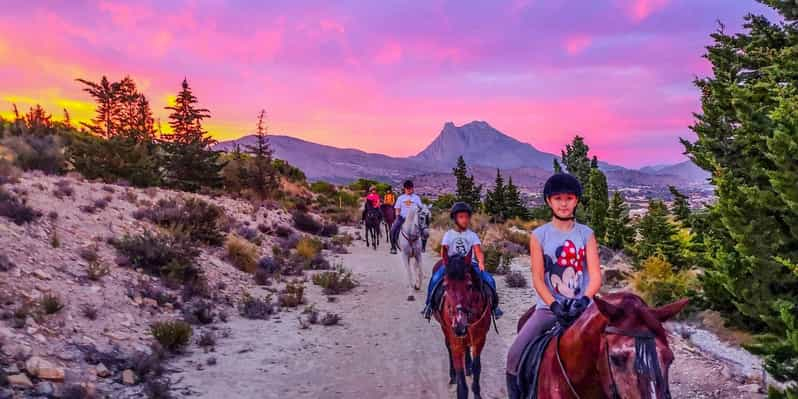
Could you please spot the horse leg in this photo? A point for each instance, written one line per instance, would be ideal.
(468, 363)
(406, 260)
(459, 371)
(419, 271)
(476, 370)
(451, 363)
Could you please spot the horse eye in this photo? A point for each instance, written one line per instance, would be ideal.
(619, 359)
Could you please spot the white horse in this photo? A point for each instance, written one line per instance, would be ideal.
(410, 246)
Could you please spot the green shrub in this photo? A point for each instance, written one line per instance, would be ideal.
(117, 158)
(293, 294)
(200, 220)
(242, 253)
(165, 255)
(173, 335)
(32, 152)
(51, 304)
(256, 308)
(305, 222)
(322, 187)
(515, 279)
(308, 247)
(335, 281)
(15, 209)
(658, 284)
(96, 270)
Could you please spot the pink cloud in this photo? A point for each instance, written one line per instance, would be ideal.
(390, 53)
(639, 10)
(125, 15)
(577, 43)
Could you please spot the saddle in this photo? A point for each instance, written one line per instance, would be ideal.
(528, 371)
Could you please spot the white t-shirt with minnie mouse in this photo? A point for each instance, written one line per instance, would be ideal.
(564, 260)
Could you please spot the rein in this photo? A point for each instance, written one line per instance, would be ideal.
(644, 343)
(485, 312)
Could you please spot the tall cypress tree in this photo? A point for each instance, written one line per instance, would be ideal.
(747, 140)
(263, 178)
(681, 208)
(190, 164)
(467, 191)
(619, 230)
(657, 235)
(576, 160)
(514, 203)
(598, 198)
(495, 204)
(104, 93)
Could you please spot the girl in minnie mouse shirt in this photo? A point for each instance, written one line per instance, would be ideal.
(565, 269)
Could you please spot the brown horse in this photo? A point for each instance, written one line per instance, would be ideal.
(388, 217)
(616, 349)
(465, 319)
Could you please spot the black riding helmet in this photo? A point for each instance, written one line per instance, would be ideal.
(408, 184)
(460, 207)
(562, 183)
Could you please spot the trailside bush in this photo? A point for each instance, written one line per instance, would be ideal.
(16, 210)
(305, 222)
(336, 281)
(164, 255)
(515, 279)
(201, 220)
(173, 335)
(242, 253)
(292, 295)
(308, 247)
(658, 284)
(33, 152)
(256, 308)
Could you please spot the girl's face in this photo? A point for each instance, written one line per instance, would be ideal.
(563, 205)
(462, 220)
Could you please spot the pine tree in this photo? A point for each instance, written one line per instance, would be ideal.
(747, 140)
(67, 119)
(681, 208)
(467, 191)
(619, 230)
(576, 160)
(263, 178)
(495, 200)
(598, 198)
(190, 164)
(105, 95)
(514, 203)
(557, 167)
(657, 235)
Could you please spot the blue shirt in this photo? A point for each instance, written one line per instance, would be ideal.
(564, 260)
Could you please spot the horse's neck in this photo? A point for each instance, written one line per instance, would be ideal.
(580, 347)
(411, 223)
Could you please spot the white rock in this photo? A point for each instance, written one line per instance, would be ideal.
(128, 377)
(102, 371)
(20, 380)
(42, 274)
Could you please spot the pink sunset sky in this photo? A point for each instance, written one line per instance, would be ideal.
(384, 76)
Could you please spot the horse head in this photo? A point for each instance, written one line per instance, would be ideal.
(460, 284)
(634, 354)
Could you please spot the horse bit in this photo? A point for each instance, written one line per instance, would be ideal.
(644, 341)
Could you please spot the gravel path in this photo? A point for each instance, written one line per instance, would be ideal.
(383, 349)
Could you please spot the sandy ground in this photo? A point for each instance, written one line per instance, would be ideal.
(383, 349)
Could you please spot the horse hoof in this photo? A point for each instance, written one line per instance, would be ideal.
(417, 288)
(411, 298)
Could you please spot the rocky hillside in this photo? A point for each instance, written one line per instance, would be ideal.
(77, 312)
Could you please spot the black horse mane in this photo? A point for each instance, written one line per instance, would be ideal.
(456, 267)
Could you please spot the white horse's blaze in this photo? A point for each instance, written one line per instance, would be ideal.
(411, 250)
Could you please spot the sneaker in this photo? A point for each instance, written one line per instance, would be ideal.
(393, 251)
(497, 313)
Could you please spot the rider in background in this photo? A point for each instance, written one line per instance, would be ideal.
(403, 204)
(565, 269)
(389, 198)
(459, 241)
(372, 199)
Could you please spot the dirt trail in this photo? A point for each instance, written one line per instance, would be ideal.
(383, 349)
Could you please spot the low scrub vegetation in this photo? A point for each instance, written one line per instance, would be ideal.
(256, 308)
(172, 335)
(164, 255)
(16, 210)
(330, 319)
(306, 223)
(335, 281)
(659, 284)
(242, 253)
(96, 270)
(515, 279)
(309, 247)
(292, 295)
(51, 304)
(200, 220)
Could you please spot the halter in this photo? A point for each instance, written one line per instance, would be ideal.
(468, 313)
(644, 343)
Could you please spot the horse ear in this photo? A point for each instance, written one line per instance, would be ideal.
(666, 312)
(610, 311)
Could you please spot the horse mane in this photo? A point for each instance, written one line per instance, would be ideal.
(456, 268)
(411, 221)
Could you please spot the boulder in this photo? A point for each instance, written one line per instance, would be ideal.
(20, 381)
(43, 369)
(102, 371)
(128, 377)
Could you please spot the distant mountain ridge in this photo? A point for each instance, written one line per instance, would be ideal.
(481, 145)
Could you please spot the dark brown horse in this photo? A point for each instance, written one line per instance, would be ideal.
(616, 349)
(465, 319)
(373, 220)
(388, 217)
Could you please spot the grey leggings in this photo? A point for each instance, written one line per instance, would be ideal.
(540, 321)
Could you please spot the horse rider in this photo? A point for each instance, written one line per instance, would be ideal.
(565, 270)
(460, 240)
(389, 198)
(372, 200)
(402, 207)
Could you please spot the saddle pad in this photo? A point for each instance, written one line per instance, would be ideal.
(530, 362)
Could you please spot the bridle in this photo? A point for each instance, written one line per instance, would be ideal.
(645, 344)
(468, 313)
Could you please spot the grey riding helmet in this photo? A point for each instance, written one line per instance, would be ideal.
(460, 207)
